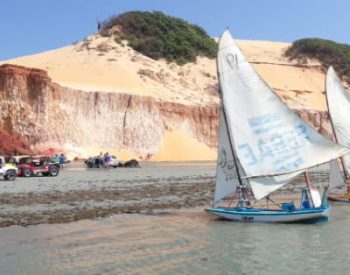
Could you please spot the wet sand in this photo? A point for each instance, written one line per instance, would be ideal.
(78, 193)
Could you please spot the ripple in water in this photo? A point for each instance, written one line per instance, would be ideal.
(186, 242)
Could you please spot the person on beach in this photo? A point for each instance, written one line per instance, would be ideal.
(62, 159)
(107, 160)
(101, 159)
(56, 159)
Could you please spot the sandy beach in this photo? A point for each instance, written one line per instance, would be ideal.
(79, 193)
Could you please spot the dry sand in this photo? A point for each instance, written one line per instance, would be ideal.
(179, 147)
(175, 146)
(100, 64)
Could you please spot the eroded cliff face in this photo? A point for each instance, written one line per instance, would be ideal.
(49, 115)
(13, 144)
(319, 120)
(98, 95)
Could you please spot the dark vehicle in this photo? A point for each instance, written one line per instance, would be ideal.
(36, 165)
(94, 162)
(133, 163)
(97, 162)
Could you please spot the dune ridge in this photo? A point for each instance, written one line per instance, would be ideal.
(101, 68)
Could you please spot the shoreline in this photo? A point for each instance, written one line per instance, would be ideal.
(78, 193)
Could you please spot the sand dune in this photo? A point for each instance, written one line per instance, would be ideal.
(100, 64)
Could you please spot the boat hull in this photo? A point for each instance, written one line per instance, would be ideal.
(340, 198)
(271, 216)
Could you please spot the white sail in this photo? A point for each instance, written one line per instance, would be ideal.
(266, 185)
(335, 177)
(226, 172)
(338, 100)
(269, 139)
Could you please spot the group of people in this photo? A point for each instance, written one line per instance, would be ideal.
(105, 160)
(102, 160)
(59, 159)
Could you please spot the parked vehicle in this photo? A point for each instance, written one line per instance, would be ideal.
(36, 165)
(133, 163)
(7, 170)
(96, 162)
(114, 162)
(16, 159)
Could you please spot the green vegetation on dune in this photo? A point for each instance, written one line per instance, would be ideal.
(157, 35)
(325, 51)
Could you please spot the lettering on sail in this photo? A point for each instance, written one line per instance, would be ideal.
(276, 144)
(238, 81)
(227, 165)
(232, 60)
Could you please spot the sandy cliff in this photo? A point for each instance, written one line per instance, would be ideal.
(97, 95)
(50, 115)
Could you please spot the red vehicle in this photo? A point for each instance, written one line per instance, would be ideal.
(32, 166)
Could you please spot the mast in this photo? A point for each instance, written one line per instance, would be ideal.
(346, 176)
(243, 196)
(235, 159)
(307, 180)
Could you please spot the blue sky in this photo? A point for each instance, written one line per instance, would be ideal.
(32, 26)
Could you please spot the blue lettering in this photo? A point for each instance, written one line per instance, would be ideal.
(270, 146)
(261, 120)
(297, 137)
(277, 143)
(291, 166)
(248, 154)
(268, 128)
(285, 156)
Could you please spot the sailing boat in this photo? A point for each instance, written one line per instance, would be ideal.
(338, 102)
(262, 145)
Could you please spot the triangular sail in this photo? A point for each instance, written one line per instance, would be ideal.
(335, 177)
(266, 185)
(338, 100)
(226, 173)
(269, 139)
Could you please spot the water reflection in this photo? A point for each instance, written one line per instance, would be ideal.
(187, 242)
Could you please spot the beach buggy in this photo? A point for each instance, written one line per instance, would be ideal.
(33, 166)
(7, 170)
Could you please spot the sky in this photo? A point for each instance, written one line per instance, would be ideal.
(33, 26)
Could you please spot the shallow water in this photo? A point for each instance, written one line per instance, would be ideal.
(184, 241)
